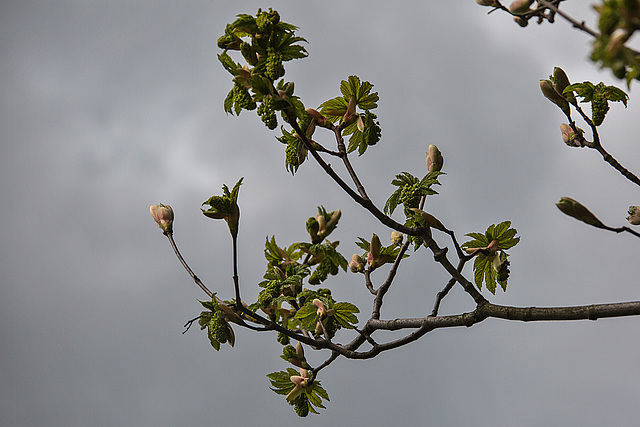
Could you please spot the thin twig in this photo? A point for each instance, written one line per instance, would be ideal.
(186, 266)
(382, 290)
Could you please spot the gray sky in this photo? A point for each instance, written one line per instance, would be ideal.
(108, 107)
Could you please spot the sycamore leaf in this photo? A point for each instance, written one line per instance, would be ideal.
(613, 93)
(229, 64)
(344, 314)
(492, 268)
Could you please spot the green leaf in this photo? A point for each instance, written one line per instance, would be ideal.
(229, 64)
(615, 94)
(584, 90)
(392, 202)
(344, 314)
(484, 269)
(308, 316)
(334, 109)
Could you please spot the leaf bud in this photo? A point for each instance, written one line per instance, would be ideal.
(350, 116)
(375, 246)
(434, 159)
(300, 350)
(163, 216)
(569, 136)
(318, 118)
(634, 215)
(520, 21)
(560, 83)
(397, 237)
(326, 226)
(520, 6)
(550, 93)
(312, 228)
(575, 209)
(431, 220)
(356, 265)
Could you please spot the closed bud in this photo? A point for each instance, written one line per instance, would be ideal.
(520, 21)
(312, 228)
(560, 83)
(550, 93)
(568, 135)
(300, 351)
(356, 265)
(574, 209)
(434, 159)
(375, 246)
(397, 237)
(431, 220)
(318, 118)
(634, 215)
(350, 116)
(485, 2)
(331, 223)
(163, 216)
(520, 6)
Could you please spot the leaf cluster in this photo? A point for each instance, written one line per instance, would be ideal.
(410, 190)
(265, 43)
(364, 128)
(491, 264)
(599, 96)
(218, 329)
(618, 20)
(225, 207)
(338, 315)
(310, 398)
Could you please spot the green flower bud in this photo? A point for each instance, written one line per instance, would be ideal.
(163, 216)
(599, 108)
(550, 93)
(434, 159)
(574, 209)
(485, 2)
(634, 215)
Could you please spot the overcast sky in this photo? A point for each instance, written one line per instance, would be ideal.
(109, 107)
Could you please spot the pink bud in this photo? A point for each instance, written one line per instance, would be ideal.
(634, 215)
(163, 216)
(320, 306)
(298, 380)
